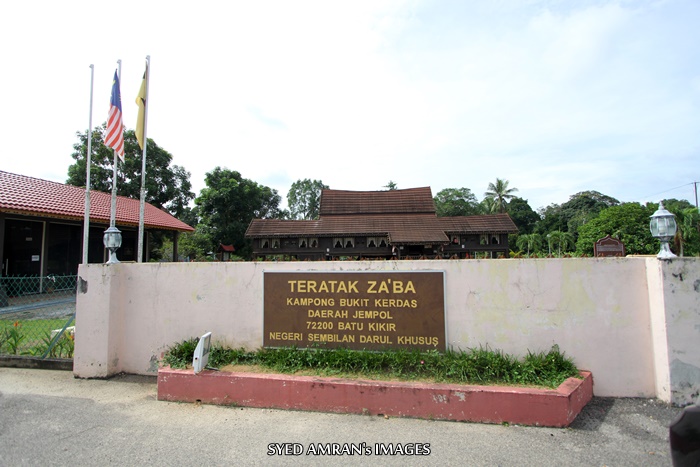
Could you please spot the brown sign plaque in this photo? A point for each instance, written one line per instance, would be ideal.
(355, 310)
(608, 246)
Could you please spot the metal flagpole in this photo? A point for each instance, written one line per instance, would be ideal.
(86, 220)
(113, 210)
(143, 161)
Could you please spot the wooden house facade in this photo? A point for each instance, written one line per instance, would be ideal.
(394, 224)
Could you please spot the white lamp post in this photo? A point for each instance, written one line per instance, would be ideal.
(112, 240)
(663, 227)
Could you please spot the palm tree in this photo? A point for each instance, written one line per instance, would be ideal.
(500, 193)
(488, 205)
(530, 242)
(562, 240)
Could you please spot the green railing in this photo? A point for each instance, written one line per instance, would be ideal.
(37, 315)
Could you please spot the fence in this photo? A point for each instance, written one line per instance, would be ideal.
(36, 316)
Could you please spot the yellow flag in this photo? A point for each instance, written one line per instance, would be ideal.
(141, 102)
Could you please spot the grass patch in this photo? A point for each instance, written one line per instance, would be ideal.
(33, 337)
(473, 366)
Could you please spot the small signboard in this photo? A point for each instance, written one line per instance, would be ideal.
(355, 310)
(608, 246)
(201, 353)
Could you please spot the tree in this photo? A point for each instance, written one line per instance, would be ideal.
(488, 205)
(687, 239)
(227, 205)
(530, 242)
(391, 186)
(304, 198)
(628, 222)
(456, 202)
(561, 240)
(500, 193)
(166, 187)
(580, 209)
(522, 214)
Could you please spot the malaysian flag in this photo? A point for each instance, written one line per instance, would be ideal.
(115, 127)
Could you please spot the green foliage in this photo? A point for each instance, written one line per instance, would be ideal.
(500, 194)
(62, 348)
(560, 242)
(456, 202)
(180, 355)
(391, 186)
(522, 214)
(13, 338)
(482, 365)
(628, 222)
(687, 240)
(530, 243)
(580, 209)
(304, 198)
(167, 186)
(228, 204)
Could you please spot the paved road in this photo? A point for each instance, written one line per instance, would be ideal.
(50, 418)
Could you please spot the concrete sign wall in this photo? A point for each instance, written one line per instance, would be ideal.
(632, 321)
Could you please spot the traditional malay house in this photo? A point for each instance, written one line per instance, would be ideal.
(41, 226)
(396, 224)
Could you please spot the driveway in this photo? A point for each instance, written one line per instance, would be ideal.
(49, 418)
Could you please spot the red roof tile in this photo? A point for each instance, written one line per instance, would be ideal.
(33, 196)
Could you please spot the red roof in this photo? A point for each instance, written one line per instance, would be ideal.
(227, 248)
(32, 196)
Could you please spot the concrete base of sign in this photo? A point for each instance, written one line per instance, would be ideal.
(489, 404)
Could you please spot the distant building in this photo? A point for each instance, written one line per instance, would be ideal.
(396, 224)
(41, 226)
(225, 252)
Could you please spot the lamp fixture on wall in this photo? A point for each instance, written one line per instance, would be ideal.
(663, 227)
(112, 240)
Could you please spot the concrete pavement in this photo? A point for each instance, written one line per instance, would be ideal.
(49, 418)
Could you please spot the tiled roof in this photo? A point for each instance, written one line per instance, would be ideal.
(401, 228)
(32, 196)
(410, 201)
(491, 223)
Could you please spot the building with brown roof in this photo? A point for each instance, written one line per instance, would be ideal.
(41, 226)
(381, 224)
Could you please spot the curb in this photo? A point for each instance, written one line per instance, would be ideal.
(487, 404)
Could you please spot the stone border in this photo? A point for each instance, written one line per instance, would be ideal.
(488, 404)
(11, 361)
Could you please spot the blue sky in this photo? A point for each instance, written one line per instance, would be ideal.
(557, 97)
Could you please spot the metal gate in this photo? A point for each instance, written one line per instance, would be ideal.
(37, 315)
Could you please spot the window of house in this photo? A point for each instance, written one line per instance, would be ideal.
(275, 243)
(495, 240)
(382, 243)
(264, 243)
(454, 239)
(337, 242)
(313, 242)
(349, 242)
(484, 239)
(371, 242)
(302, 243)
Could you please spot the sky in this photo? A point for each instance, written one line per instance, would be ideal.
(557, 96)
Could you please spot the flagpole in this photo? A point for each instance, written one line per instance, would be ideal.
(86, 220)
(143, 161)
(113, 210)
